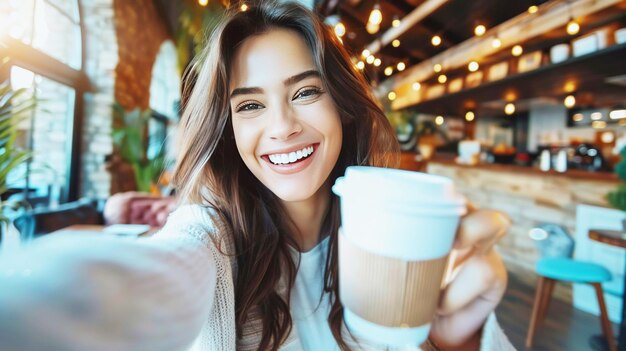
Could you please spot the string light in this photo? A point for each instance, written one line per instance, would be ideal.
(203, 2)
(244, 8)
(388, 70)
(376, 16)
(533, 9)
(509, 108)
(377, 62)
(395, 22)
(473, 66)
(392, 95)
(360, 65)
(439, 120)
(496, 42)
(436, 40)
(517, 50)
(370, 59)
(480, 30)
(437, 68)
(395, 43)
(340, 29)
(365, 53)
(469, 116)
(401, 66)
(442, 78)
(572, 27)
(417, 86)
(569, 101)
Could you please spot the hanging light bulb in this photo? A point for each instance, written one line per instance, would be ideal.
(417, 86)
(436, 40)
(395, 43)
(360, 65)
(469, 116)
(569, 101)
(388, 71)
(392, 95)
(442, 78)
(439, 120)
(480, 30)
(401, 66)
(509, 108)
(372, 28)
(203, 2)
(244, 8)
(517, 50)
(533, 9)
(496, 42)
(395, 22)
(340, 29)
(365, 53)
(437, 68)
(376, 16)
(473, 66)
(572, 27)
(377, 62)
(370, 59)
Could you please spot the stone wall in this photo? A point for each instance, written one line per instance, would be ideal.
(101, 60)
(140, 32)
(529, 199)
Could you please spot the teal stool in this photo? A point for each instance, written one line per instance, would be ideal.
(553, 269)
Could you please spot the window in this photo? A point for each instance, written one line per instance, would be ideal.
(50, 26)
(46, 134)
(43, 45)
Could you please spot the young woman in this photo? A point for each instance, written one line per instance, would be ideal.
(276, 114)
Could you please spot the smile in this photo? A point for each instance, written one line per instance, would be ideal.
(291, 157)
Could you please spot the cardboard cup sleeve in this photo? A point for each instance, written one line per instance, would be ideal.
(389, 291)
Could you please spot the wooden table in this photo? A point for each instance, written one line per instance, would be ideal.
(614, 238)
(95, 229)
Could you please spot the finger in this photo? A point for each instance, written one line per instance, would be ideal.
(479, 276)
(481, 229)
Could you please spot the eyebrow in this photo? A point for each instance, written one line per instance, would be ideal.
(287, 82)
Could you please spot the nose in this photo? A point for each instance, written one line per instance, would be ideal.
(284, 123)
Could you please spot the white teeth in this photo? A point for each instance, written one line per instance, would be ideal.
(291, 157)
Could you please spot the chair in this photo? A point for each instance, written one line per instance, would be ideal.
(42, 221)
(561, 267)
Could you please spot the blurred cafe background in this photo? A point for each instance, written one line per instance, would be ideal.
(522, 103)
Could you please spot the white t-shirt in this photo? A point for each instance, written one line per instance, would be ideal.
(310, 315)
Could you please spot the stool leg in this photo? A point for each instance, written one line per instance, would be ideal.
(534, 318)
(604, 318)
(547, 296)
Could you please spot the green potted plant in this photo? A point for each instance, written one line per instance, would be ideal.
(14, 108)
(130, 137)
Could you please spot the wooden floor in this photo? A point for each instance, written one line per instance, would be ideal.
(565, 328)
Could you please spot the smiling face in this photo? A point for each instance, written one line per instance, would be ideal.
(287, 128)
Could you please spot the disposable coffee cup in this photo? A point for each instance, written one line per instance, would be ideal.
(397, 230)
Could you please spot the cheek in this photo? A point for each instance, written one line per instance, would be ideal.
(246, 136)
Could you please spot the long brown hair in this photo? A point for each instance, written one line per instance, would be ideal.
(210, 170)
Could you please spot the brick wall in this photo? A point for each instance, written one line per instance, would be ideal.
(140, 33)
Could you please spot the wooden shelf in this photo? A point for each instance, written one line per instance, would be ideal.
(587, 72)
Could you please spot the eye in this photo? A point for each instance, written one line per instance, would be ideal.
(248, 106)
(308, 92)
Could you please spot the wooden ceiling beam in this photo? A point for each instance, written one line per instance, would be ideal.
(551, 15)
(410, 20)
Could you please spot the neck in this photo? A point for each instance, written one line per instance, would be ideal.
(307, 217)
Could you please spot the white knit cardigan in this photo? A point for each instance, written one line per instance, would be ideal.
(171, 292)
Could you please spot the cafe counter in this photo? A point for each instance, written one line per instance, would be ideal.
(530, 197)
